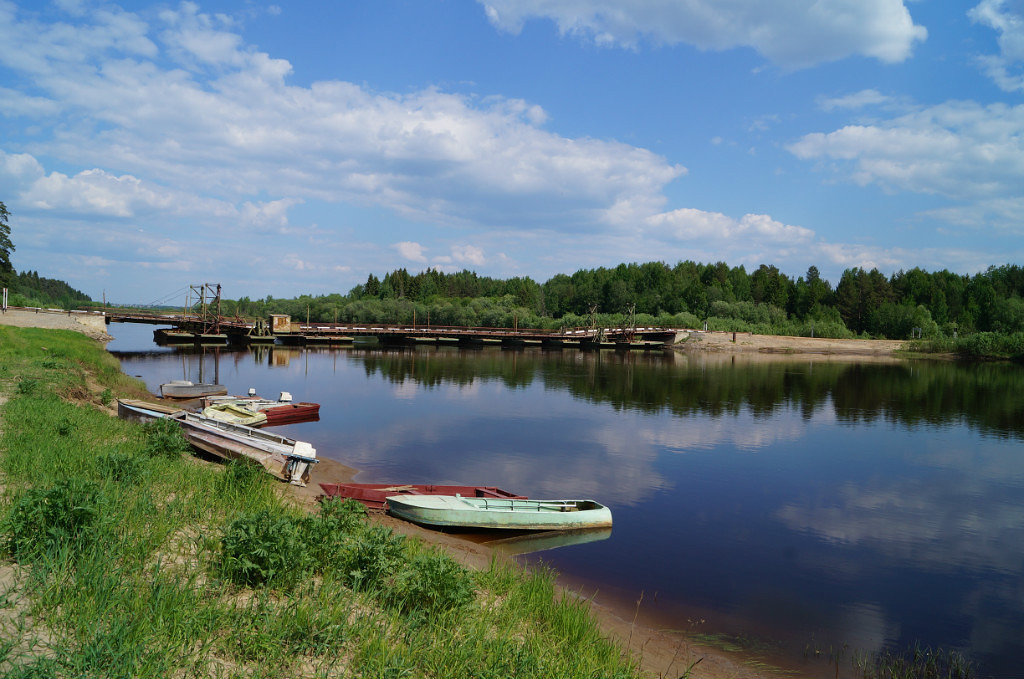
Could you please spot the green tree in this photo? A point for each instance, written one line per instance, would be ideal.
(6, 246)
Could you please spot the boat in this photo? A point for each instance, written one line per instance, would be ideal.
(481, 512)
(235, 413)
(281, 411)
(184, 389)
(143, 411)
(284, 458)
(374, 495)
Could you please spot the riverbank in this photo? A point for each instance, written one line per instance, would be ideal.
(126, 556)
(748, 343)
(659, 653)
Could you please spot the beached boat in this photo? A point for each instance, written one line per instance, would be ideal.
(477, 512)
(143, 411)
(184, 389)
(374, 495)
(285, 458)
(235, 414)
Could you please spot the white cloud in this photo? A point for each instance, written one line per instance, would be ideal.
(468, 254)
(187, 104)
(691, 224)
(856, 100)
(959, 149)
(411, 251)
(1004, 68)
(792, 33)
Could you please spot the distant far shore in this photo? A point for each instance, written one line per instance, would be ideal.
(747, 343)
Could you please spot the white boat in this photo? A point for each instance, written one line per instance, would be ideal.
(187, 389)
(482, 512)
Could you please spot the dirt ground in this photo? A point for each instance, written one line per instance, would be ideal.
(54, 321)
(662, 653)
(746, 343)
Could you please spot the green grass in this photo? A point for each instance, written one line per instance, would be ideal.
(128, 558)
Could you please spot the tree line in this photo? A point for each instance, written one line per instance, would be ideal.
(864, 303)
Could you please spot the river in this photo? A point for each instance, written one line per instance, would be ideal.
(795, 504)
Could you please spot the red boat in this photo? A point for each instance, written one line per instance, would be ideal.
(374, 495)
(289, 413)
(282, 411)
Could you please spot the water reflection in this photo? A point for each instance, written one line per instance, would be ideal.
(849, 503)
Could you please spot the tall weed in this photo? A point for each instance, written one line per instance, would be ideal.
(45, 518)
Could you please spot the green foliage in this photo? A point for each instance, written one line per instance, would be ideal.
(372, 558)
(122, 467)
(263, 547)
(330, 533)
(43, 519)
(106, 397)
(27, 386)
(164, 439)
(430, 583)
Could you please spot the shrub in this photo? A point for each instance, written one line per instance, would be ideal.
(373, 555)
(121, 467)
(431, 582)
(106, 396)
(329, 534)
(164, 438)
(263, 547)
(46, 518)
(27, 386)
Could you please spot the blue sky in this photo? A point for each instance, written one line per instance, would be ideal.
(296, 148)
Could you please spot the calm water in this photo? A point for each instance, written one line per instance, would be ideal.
(803, 503)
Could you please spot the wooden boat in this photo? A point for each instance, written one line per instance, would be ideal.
(184, 389)
(285, 458)
(374, 495)
(235, 414)
(481, 512)
(143, 411)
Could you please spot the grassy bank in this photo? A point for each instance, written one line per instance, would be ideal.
(982, 345)
(126, 556)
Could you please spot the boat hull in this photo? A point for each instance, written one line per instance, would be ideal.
(187, 390)
(284, 458)
(454, 511)
(375, 495)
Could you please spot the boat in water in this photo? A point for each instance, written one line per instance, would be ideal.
(235, 414)
(184, 389)
(282, 457)
(375, 495)
(281, 411)
(457, 511)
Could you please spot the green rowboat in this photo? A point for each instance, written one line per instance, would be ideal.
(479, 512)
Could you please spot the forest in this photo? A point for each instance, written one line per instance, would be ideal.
(939, 306)
(28, 288)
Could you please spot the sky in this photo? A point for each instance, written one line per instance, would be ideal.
(295, 148)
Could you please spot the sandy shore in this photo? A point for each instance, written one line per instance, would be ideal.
(747, 343)
(661, 653)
